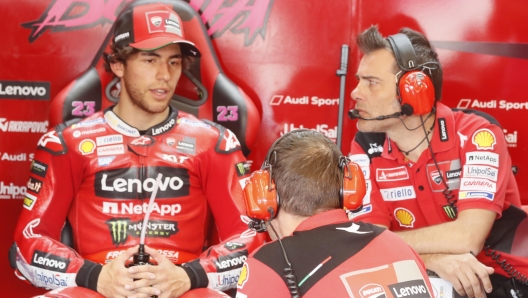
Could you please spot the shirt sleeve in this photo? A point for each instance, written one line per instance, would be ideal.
(487, 178)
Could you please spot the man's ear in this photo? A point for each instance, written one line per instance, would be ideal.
(118, 68)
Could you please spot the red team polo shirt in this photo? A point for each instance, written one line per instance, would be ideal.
(472, 158)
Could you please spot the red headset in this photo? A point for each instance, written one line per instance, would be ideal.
(260, 192)
(415, 88)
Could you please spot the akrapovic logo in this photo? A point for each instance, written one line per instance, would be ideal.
(121, 228)
(232, 261)
(125, 184)
(163, 128)
(412, 288)
(49, 262)
(23, 126)
(25, 90)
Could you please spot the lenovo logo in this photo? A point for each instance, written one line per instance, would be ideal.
(49, 262)
(125, 184)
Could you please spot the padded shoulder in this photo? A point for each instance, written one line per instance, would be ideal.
(484, 115)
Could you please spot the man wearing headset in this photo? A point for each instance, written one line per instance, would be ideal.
(440, 179)
(320, 253)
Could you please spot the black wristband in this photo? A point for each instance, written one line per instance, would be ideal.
(196, 274)
(88, 275)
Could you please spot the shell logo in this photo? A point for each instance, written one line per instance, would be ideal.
(244, 275)
(484, 139)
(405, 217)
(87, 146)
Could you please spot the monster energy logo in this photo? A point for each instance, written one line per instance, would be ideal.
(241, 169)
(450, 211)
(122, 228)
(118, 230)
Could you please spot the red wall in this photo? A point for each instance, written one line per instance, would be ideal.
(282, 53)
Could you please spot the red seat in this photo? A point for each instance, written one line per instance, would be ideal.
(204, 90)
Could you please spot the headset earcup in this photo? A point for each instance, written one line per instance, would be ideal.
(258, 197)
(416, 89)
(354, 187)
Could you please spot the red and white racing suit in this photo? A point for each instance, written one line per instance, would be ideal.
(99, 174)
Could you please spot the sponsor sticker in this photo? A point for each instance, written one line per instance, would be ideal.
(475, 171)
(109, 140)
(231, 261)
(478, 184)
(361, 159)
(48, 261)
(391, 174)
(87, 146)
(88, 123)
(482, 158)
(404, 217)
(233, 245)
(104, 161)
(443, 130)
(398, 193)
(29, 201)
(244, 276)
(372, 291)
(476, 195)
(366, 209)
(34, 185)
(411, 289)
(39, 168)
(242, 169)
(484, 139)
(111, 150)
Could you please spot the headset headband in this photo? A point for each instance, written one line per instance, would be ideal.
(403, 51)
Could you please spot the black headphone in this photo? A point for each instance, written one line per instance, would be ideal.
(260, 192)
(415, 89)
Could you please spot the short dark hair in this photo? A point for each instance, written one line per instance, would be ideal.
(123, 53)
(307, 173)
(371, 40)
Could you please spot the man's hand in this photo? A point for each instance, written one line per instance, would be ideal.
(164, 280)
(467, 275)
(114, 276)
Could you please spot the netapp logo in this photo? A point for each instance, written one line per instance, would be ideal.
(49, 262)
(131, 208)
(163, 128)
(124, 184)
(25, 90)
(232, 261)
(413, 288)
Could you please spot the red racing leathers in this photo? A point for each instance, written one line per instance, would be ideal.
(471, 158)
(99, 174)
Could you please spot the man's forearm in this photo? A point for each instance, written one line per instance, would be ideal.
(466, 234)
